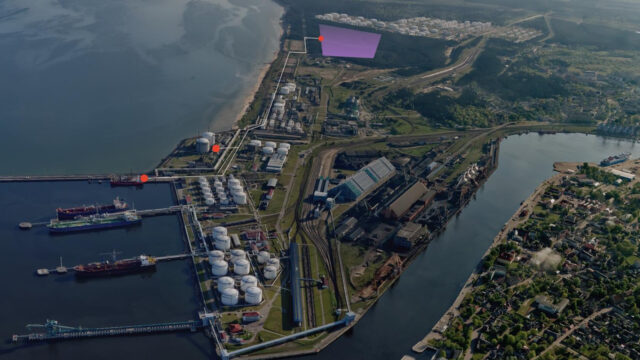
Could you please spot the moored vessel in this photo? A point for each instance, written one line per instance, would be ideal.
(612, 160)
(94, 222)
(72, 213)
(126, 181)
(114, 268)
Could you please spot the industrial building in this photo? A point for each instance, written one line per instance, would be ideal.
(345, 227)
(271, 183)
(407, 236)
(381, 234)
(366, 179)
(296, 294)
(399, 207)
(320, 193)
(276, 162)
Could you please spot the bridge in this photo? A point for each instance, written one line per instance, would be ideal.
(54, 331)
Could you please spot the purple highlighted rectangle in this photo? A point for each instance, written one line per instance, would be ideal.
(343, 42)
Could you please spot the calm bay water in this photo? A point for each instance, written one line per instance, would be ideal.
(169, 294)
(431, 283)
(92, 86)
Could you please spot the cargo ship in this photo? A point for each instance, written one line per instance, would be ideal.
(94, 222)
(72, 213)
(120, 267)
(612, 160)
(126, 181)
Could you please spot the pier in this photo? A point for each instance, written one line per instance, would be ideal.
(55, 331)
(85, 177)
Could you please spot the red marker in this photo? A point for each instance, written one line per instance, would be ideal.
(144, 178)
(321, 38)
(215, 148)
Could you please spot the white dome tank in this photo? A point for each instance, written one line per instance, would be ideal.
(255, 143)
(240, 198)
(270, 144)
(237, 254)
(225, 282)
(202, 145)
(267, 150)
(217, 183)
(270, 272)
(241, 267)
(283, 151)
(233, 182)
(284, 146)
(263, 256)
(229, 296)
(235, 189)
(218, 231)
(209, 136)
(223, 242)
(219, 268)
(275, 262)
(206, 191)
(215, 255)
(284, 90)
(209, 201)
(248, 281)
(253, 295)
(224, 201)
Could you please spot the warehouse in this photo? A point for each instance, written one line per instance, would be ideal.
(366, 179)
(276, 162)
(407, 236)
(403, 203)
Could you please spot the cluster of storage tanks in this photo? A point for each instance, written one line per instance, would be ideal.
(276, 117)
(271, 147)
(204, 142)
(238, 195)
(248, 284)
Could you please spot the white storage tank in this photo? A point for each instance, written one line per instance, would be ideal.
(209, 201)
(255, 143)
(229, 297)
(219, 268)
(270, 272)
(235, 189)
(253, 295)
(284, 146)
(284, 90)
(267, 150)
(224, 201)
(202, 146)
(217, 183)
(270, 144)
(248, 281)
(263, 256)
(209, 136)
(275, 262)
(223, 242)
(202, 179)
(218, 231)
(283, 151)
(215, 255)
(240, 198)
(241, 267)
(225, 282)
(237, 254)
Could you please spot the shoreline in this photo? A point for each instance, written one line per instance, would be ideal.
(250, 96)
(451, 312)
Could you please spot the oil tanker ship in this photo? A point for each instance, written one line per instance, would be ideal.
(126, 181)
(120, 267)
(612, 160)
(94, 222)
(72, 213)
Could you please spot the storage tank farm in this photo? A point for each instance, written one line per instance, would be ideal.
(203, 145)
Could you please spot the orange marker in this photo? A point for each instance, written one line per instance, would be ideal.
(144, 178)
(321, 38)
(215, 148)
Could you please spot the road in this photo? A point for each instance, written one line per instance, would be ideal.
(573, 328)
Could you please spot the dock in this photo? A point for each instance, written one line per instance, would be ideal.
(85, 177)
(55, 331)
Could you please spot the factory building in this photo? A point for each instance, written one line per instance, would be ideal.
(320, 193)
(276, 162)
(296, 294)
(345, 227)
(271, 183)
(366, 179)
(407, 236)
(399, 207)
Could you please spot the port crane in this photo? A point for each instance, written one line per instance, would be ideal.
(52, 327)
